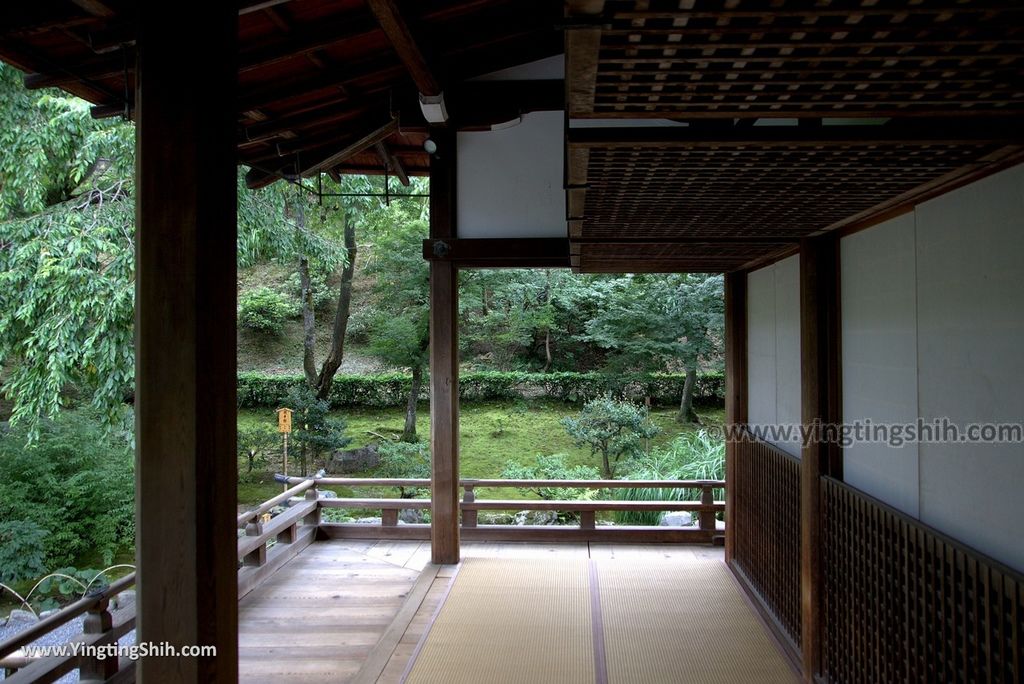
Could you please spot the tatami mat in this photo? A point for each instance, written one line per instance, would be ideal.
(533, 621)
(511, 621)
(678, 623)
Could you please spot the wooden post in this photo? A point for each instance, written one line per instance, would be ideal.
(469, 517)
(706, 519)
(98, 621)
(185, 374)
(389, 517)
(444, 359)
(735, 393)
(819, 352)
(257, 556)
(312, 494)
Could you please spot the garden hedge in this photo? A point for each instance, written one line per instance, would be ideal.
(391, 389)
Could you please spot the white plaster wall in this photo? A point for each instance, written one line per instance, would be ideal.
(933, 327)
(787, 348)
(773, 347)
(970, 312)
(510, 180)
(879, 356)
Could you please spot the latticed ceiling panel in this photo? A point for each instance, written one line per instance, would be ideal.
(754, 191)
(683, 58)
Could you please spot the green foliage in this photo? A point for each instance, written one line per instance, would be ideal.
(22, 555)
(323, 295)
(552, 467)
(613, 429)
(399, 328)
(404, 460)
(699, 457)
(690, 456)
(391, 389)
(314, 430)
(655, 322)
(265, 310)
(256, 443)
(75, 482)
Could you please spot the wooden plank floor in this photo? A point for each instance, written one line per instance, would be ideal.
(318, 617)
(321, 616)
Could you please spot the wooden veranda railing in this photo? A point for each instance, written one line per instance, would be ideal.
(100, 629)
(266, 542)
(705, 509)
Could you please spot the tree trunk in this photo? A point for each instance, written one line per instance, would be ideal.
(608, 474)
(409, 433)
(547, 350)
(686, 413)
(337, 352)
(308, 325)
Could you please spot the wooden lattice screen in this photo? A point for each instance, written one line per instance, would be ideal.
(767, 529)
(904, 603)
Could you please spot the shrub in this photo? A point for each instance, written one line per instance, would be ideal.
(404, 460)
(552, 467)
(614, 429)
(22, 550)
(265, 310)
(76, 482)
(691, 456)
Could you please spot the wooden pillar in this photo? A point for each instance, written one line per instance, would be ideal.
(735, 392)
(444, 359)
(819, 351)
(185, 338)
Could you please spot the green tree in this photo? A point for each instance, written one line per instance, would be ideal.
(67, 250)
(613, 429)
(653, 323)
(256, 443)
(314, 430)
(404, 460)
(399, 332)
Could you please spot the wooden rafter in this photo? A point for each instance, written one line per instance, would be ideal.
(392, 163)
(409, 51)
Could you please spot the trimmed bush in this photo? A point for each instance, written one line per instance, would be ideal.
(265, 310)
(391, 389)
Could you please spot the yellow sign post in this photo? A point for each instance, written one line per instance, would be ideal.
(284, 426)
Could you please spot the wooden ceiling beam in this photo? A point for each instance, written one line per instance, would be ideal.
(409, 51)
(1006, 130)
(297, 164)
(582, 51)
(391, 162)
(499, 252)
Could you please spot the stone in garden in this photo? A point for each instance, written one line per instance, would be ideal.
(677, 519)
(354, 460)
(18, 615)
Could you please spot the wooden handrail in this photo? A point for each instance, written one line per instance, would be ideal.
(568, 484)
(65, 615)
(303, 485)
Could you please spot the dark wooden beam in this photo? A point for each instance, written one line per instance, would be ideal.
(295, 163)
(735, 393)
(96, 8)
(444, 359)
(582, 48)
(499, 252)
(392, 163)
(409, 52)
(186, 544)
(931, 131)
(819, 457)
